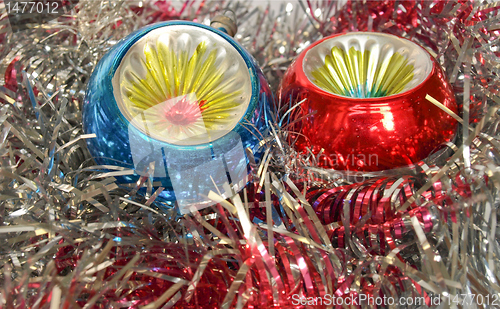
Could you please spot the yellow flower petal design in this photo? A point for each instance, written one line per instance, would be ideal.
(173, 75)
(180, 85)
(362, 75)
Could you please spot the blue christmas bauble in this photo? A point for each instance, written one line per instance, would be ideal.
(181, 102)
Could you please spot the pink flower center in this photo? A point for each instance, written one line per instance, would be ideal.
(183, 113)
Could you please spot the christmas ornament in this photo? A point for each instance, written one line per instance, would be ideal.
(373, 101)
(179, 102)
(73, 236)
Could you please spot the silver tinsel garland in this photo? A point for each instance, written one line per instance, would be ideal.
(71, 238)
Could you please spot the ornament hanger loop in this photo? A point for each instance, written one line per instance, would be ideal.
(225, 22)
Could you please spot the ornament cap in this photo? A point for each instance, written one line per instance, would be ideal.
(225, 22)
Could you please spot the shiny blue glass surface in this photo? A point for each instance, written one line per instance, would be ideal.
(182, 164)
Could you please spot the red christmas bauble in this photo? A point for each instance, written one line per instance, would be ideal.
(366, 104)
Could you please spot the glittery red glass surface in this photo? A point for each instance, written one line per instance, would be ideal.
(369, 134)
